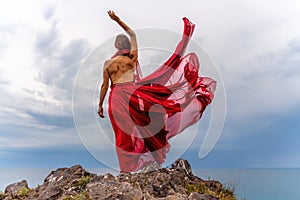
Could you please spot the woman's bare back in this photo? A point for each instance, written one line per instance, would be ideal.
(121, 69)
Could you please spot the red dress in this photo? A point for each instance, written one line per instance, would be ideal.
(149, 111)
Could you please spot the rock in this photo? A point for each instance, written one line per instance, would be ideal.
(14, 189)
(114, 190)
(62, 183)
(214, 185)
(182, 164)
(173, 183)
(197, 196)
(176, 197)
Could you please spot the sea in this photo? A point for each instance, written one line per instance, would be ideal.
(250, 184)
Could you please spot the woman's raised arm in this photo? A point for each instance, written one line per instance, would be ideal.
(130, 32)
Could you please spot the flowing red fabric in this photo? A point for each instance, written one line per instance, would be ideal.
(146, 113)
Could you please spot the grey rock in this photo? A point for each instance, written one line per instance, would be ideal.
(12, 190)
(63, 182)
(182, 164)
(173, 183)
(197, 196)
(114, 190)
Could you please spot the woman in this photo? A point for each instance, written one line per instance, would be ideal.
(146, 112)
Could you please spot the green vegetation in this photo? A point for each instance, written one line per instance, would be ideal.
(23, 192)
(84, 195)
(225, 193)
(83, 182)
(2, 196)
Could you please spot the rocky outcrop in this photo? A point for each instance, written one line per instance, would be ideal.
(177, 182)
(17, 189)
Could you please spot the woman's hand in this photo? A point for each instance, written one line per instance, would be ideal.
(100, 112)
(113, 16)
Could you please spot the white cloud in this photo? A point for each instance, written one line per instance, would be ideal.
(254, 43)
(38, 69)
(268, 88)
(30, 138)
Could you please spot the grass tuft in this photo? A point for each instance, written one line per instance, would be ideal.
(84, 195)
(2, 196)
(23, 192)
(226, 193)
(83, 182)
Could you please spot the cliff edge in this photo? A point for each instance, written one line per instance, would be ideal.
(75, 183)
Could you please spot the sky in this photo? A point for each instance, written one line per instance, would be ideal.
(44, 46)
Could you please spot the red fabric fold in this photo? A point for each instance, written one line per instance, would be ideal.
(149, 111)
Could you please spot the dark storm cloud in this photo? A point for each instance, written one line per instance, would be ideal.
(52, 120)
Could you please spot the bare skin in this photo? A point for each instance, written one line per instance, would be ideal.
(121, 68)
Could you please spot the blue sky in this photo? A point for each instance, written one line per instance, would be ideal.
(254, 44)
